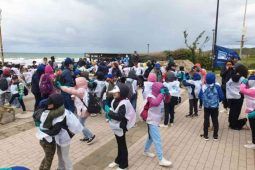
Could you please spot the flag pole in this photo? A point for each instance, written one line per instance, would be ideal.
(215, 33)
(243, 31)
(1, 41)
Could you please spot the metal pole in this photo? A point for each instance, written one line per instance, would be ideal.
(215, 31)
(243, 31)
(148, 50)
(1, 41)
(213, 48)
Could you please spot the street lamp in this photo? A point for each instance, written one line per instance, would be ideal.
(148, 46)
(1, 41)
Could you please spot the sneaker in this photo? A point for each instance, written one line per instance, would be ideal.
(24, 112)
(206, 138)
(163, 126)
(149, 154)
(195, 115)
(112, 165)
(189, 115)
(165, 162)
(171, 124)
(250, 146)
(93, 114)
(84, 139)
(249, 142)
(120, 168)
(215, 138)
(90, 141)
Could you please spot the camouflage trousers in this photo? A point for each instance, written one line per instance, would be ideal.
(49, 150)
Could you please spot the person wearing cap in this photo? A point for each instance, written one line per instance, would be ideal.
(5, 93)
(158, 72)
(212, 95)
(67, 80)
(56, 129)
(121, 116)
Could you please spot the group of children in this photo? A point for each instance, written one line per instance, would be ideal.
(117, 95)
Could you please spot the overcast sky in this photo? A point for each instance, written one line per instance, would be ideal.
(119, 25)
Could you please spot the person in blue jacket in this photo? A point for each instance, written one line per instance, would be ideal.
(67, 80)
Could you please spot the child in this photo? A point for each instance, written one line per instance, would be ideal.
(148, 84)
(248, 89)
(62, 129)
(173, 85)
(235, 100)
(80, 92)
(121, 117)
(17, 91)
(211, 95)
(155, 113)
(194, 87)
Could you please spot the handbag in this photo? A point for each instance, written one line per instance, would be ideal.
(144, 113)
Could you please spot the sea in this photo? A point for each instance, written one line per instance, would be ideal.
(28, 58)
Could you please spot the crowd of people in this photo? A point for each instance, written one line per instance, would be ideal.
(67, 94)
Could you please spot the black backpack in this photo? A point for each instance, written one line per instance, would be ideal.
(3, 84)
(93, 103)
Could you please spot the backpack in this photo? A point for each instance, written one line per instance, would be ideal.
(93, 103)
(130, 86)
(25, 92)
(211, 97)
(46, 86)
(3, 84)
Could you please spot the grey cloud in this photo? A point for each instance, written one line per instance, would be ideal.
(118, 25)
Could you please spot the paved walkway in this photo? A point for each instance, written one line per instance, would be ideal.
(181, 143)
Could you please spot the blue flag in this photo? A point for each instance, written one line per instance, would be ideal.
(222, 55)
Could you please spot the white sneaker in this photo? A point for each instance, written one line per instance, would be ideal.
(171, 124)
(250, 146)
(149, 154)
(165, 162)
(249, 142)
(120, 168)
(163, 126)
(112, 165)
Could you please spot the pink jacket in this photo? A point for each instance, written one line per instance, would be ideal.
(249, 95)
(79, 92)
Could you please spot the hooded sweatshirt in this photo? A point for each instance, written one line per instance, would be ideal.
(80, 92)
(249, 93)
(156, 104)
(148, 85)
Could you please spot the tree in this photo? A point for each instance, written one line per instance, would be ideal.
(195, 45)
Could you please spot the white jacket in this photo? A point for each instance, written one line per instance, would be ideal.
(62, 138)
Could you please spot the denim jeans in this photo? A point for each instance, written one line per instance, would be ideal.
(86, 132)
(154, 137)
